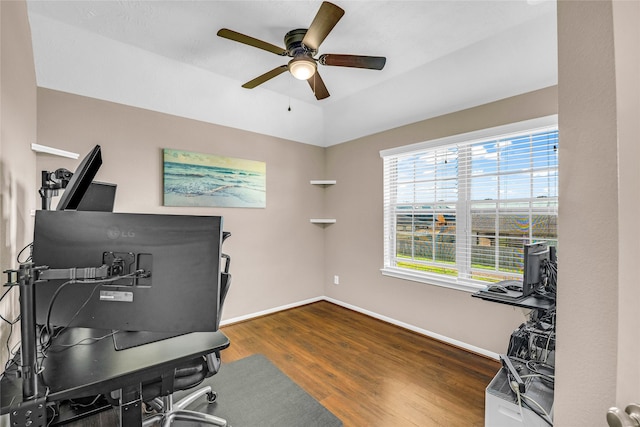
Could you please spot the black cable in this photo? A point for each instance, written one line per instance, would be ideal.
(10, 360)
(6, 292)
(29, 258)
(84, 405)
(550, 270)
(53, 417)
(10, 323)
(548, 288)
(9, 352)
(47, 324)
(48, 330)
(84, 341)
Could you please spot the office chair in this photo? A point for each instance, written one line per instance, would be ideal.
(158, 394)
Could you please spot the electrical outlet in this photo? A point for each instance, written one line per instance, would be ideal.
(336, 280)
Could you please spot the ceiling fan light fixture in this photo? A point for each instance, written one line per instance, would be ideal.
(302, 67)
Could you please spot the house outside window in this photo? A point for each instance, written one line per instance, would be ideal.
(458, 210)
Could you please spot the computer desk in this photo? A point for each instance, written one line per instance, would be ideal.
(500, 405)
(79, 366)
(536, 303)
(533, 302)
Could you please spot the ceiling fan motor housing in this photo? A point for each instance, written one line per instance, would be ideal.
(293, 42)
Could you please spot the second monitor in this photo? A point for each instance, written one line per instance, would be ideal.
(537, 257)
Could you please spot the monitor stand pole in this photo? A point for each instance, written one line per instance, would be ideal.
(33, 406)
(28, 349)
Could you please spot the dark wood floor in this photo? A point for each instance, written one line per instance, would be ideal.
(367, 372)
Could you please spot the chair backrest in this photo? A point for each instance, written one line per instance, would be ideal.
(225, 283)
(225, 276)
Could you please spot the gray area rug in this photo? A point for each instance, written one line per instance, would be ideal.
(252, 392)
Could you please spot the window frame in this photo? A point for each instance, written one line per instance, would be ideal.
(389, 241)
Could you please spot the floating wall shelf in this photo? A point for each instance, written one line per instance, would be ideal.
(55, 151)
(323, 221)
(323, 181)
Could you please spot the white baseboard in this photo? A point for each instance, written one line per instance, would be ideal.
(454, 342)
(270, 311)
(404, 325)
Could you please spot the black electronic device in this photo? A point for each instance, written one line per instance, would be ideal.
(497, 288)
(539, 275)
(81, 180)
(178, 292)
(536, 257)
(100, 197)
(80, 192)
(52, 183)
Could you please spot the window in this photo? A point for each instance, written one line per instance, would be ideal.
(458, 210)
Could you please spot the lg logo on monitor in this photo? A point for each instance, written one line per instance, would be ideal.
(115, 233)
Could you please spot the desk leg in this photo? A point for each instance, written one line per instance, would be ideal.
(131, 407)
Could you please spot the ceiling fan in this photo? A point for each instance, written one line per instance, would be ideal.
(302, 45)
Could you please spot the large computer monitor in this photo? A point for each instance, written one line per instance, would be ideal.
(181, 255)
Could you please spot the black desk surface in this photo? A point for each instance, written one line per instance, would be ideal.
(92, 367)
(531, 301)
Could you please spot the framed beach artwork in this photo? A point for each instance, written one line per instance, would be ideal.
(197, 179)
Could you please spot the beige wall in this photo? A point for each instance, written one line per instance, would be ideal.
(599, 111)
(17, 161)
(588, 218)
(277, 253)
(354, 245)
(278, 256)
(626, 19)
(597, 363)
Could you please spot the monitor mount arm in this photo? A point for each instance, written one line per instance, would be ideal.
(51, 183)
(26, 277)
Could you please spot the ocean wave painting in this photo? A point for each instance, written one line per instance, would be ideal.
(195, 179)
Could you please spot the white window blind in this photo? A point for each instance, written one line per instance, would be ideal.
(458, 211)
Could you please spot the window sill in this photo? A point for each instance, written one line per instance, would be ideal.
(431, 280)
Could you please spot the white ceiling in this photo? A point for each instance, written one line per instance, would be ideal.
(442, 56)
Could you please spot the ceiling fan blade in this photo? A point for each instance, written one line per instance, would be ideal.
(235, 36)
(266, 76)
(356, 61)
(327, 17)
(318, 87)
